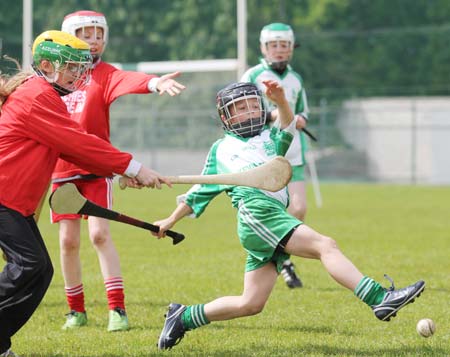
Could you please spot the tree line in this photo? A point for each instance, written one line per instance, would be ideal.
(347, 47)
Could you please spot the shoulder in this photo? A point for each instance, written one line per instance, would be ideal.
(36, 83)
(229, 145)
(253, 73)
(103, 69)
(224, 144)
(210, 166)
(256, 68)
(216, 145)
(295, 74)
(106, 70)
(38, 97)
(105, 66)
(38, 89)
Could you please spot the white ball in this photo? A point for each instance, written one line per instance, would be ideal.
(426, 327)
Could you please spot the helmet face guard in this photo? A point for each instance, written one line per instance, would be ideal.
(237, 100)
(277, 32)
(69, 56)
(81, 19)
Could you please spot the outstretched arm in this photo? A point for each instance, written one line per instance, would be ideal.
(150, 178)
(275, 93)
(167, 84)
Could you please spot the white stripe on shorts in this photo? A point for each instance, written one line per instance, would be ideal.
(262, 231)
(109, 185)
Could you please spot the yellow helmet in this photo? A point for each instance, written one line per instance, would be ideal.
(61, 48)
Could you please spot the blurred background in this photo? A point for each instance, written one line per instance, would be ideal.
(377, 75)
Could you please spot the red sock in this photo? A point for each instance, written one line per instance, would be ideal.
(114, 292)
(75, 298)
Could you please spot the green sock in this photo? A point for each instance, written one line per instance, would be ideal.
(369, 291)
(194, 316)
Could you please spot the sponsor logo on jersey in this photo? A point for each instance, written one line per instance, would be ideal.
(75, 101)
(269, 148)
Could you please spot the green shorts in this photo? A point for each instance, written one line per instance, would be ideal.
(262, 223)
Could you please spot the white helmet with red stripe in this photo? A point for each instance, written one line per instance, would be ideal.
(85, 18)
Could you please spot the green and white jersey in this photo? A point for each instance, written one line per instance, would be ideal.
(295, 93)
(235, 154)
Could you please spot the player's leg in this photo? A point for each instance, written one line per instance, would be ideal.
(69, 242)
(99, 191)
(307, 243)
(24, 279)
(108, 257)
(69, 252)
(296, 187)
(258, 285)
(297, 208)
(37, 214)
(297, 199)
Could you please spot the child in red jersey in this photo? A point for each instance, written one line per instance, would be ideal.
(89, 106)
(35, 130)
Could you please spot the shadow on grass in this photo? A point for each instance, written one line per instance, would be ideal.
(292, 328)
(307, 350)
(319, 350)
(288, 329)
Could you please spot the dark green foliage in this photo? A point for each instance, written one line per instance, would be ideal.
(348, 48)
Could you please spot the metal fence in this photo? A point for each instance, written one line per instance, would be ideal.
(401, 140)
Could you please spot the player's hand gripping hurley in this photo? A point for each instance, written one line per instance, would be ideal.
(271, 176)
(67, 199)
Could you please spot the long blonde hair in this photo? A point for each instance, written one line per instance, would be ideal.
(8, 84)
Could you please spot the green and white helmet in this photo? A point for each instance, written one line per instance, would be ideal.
(277, 31)
(68, 55)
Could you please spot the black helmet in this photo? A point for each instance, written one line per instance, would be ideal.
(232, 94)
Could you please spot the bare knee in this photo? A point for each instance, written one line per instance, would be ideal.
(69, 243)
(98, 236)
(69, 236)
(250, 308)
(328, 245)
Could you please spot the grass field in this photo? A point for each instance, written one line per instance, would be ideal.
(403, 231)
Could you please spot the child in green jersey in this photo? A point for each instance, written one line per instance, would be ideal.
(266, 231)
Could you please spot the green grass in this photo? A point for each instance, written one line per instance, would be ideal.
(400, 230)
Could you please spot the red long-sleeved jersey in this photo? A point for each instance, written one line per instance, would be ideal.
(89, 106)
(36, 129)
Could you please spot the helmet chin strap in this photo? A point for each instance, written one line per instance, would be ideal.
(96, 58)
(61, 91)
(279, 67)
